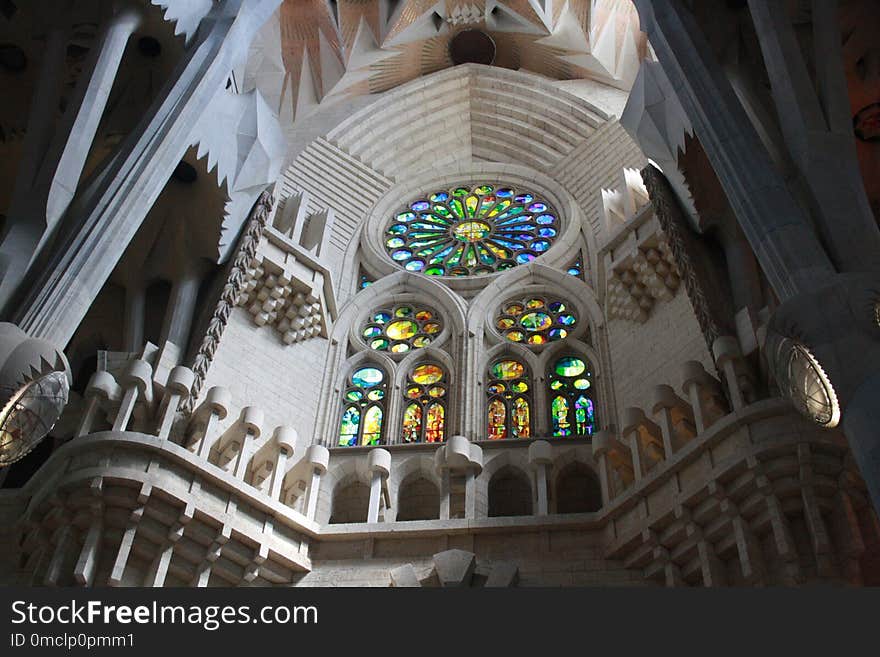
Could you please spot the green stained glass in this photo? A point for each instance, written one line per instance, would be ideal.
(379, 344)
(376, 395)
(354, 395)
(556, 385)
(520, 420)
(507, 369)
(421, 341)
(484, 189)
(435, 271)
(349, 426)
(437, 391)
(569, 366)
(372, 332)
(457, 209)
(559, 416)
(536, 321)
(515, 336)
(519, 386)
(395, 242)
(581, 384)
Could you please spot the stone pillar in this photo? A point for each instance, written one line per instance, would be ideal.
(177, 389)
(251, 420)
(102, 386)
(182, 305)
(213, 409)
(777, 227)
(600, 455)
(84, 570)
(138, 379)
(318, 457)
(632, 418)
(664, 400)
(693, 376)
(125, 545)
(135, 312)
(541, 458)
(726, 351)
(379, 463)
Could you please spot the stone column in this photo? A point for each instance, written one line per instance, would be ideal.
(777, 227)
(379, 463)
(213, 409)
(251, 420)
(726, 351)
(693, 376)
(318, 457)
(102, 386)
(137, 380)
(600, 450)
(541, 458)
(177, 389)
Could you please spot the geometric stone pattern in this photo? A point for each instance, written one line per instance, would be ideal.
(274, 298)
(640, 279)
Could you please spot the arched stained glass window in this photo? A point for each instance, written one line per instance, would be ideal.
(471, 230)
(572, 402)
(509, 400)
(424, 416)
(363, 408)
(401, 328)
(535, 320)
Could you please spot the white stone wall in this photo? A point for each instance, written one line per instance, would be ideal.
(649, 354)
(260, 370)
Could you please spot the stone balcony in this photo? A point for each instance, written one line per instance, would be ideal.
(697, 490)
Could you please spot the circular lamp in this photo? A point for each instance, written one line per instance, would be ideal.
(801, 378)
(34, 384)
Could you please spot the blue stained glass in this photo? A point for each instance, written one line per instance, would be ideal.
(439, 197)
(524, 198)
(540, 245)
(547, 232)
(537, 207)
(504, 192)
(420, 206)
(545, 219)
(523, 258)
(367, 377)
(415, 265)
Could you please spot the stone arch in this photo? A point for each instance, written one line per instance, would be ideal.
(497, 460)
(348, 493)
(576, 488)
(408, 471)
(510, 493)
(418, 498)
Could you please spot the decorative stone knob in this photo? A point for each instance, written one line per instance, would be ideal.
(180, 381)
(252, 419)
(379, 461)
(319, 457)
(286, 438)
(218, 400)
(540, 453)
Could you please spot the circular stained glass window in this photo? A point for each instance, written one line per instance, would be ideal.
(472, 230)
(535, 320)
(401, 328)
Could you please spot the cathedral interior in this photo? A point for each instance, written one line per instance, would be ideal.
(424, 293)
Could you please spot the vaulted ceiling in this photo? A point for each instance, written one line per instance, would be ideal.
(317, 51)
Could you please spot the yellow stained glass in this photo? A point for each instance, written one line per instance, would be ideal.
(427, 374)
(402, 329)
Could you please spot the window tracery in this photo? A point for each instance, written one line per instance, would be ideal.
(424, 417)
(363, 409)
(509, 400)
(572, 406)
(471, 230)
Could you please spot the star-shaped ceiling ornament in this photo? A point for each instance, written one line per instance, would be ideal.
(333, 49)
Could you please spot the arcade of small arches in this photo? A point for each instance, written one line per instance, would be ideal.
(507, 487)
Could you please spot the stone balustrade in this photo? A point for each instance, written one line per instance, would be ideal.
(693, 460)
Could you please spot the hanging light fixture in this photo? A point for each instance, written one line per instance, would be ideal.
(34, 386)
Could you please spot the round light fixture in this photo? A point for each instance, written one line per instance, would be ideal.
(34, 387)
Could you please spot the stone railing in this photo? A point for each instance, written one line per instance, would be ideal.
(691, 485)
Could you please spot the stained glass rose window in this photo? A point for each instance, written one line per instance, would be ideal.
(471, 230)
